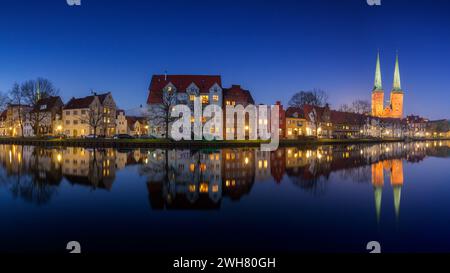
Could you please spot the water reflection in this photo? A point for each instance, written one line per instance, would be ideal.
(202, 179)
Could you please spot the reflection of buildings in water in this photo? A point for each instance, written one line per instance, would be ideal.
(394, 168)
(239, 171)
(184, 179)
(278, 164)
(89, 167)
(262, 166)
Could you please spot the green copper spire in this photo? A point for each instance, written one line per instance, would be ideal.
(378, 85)
(38, 92)
(397, 85)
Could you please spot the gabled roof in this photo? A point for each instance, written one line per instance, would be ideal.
(238, 94)
(295, 112)
(131, 120)
(181, 83)
(85, 102)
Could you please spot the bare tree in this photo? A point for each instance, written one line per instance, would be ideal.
(28, 94)
(160, 114)
(16, 97)
(94, 118)
(361, 107)
(3, 101)
(316, 98)
(345, 108)
(358, 107)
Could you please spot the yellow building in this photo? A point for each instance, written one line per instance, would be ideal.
(296, 124)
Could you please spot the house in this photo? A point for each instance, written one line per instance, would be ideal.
(319, 120)
(45, 117)
(137, 126)
(235, 95)
(16, 120)
(165, 91)
(347, 125)
(296, 124)
(95, 114)
(3, 123)
(415, 126)
(121, 122)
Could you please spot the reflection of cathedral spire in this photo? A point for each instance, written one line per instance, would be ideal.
(378, 182)
(378, 192)
(397, 196)
(397, 183)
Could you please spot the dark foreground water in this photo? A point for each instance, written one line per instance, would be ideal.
(330, 198)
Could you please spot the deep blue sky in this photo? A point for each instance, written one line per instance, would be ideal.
(273, 48)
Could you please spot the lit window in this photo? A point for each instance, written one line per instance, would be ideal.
(191, 97)
(215, 98)
(205, 99)
(203, 187)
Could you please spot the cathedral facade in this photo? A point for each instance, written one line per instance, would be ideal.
(394, 107)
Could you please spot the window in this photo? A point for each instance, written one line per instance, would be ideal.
(67, 122)
(192, 97)
(75, 112)
(68, 113)
(75, 122)
(43, 107)
(215, 98)
(83, 112)
(205, 99)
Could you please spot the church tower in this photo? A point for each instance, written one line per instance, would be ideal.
(377, 92)
(397, 93)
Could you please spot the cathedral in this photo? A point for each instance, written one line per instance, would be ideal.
(394, 109)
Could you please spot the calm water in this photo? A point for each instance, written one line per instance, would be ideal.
(330, 198)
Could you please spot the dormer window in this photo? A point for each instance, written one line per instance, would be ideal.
(43, 107)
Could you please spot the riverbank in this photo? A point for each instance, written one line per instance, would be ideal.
(163, 143)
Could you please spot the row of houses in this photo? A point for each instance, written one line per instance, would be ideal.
(98, 114)
(327, 123)
(295, 122)
(79, 117)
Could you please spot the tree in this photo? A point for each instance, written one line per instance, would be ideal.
(358, 107)
(361, 107)
(3, 101)
(316, 98)
(16, 97)
(345, 108)
(160, 114)
(33, 91)
(94, 118)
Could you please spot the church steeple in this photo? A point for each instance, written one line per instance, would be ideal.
(378, 84)
(397, 84)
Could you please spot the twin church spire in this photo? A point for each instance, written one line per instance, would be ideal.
(394, 108)
(378, 85)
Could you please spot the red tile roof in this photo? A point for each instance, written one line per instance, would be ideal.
(81, 103)
(181, 83)
(347, 118)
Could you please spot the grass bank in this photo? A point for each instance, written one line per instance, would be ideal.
(163, 143)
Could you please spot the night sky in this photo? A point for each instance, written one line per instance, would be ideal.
(273, 48)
